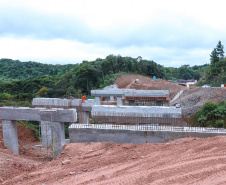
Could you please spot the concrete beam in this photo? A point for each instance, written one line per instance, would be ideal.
(111, 110)
(10, 136)
(63, 103)
(115, 92)
(135, 114)
(147, 93)
(38, 114)
(130, 92)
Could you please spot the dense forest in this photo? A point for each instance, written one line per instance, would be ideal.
(26, 80)
(12, 70)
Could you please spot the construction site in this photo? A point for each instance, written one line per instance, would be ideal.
(136, 131)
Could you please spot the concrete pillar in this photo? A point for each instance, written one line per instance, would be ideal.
(47, 129)
(62, 134)
(111, 98)
(10, 136)
(84, 117)
(97, 100)
(46, 133)
(58, 137)
(119, 100)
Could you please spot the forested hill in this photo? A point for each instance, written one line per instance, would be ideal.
(83, 77)
(13, 70)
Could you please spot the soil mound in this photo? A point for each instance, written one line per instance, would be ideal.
(193, 99)
(147, 83)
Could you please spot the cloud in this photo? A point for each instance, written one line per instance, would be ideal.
(60, 51)
(170, 33)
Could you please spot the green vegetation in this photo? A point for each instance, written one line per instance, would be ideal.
(215, 75)
(26, 80)
(13, 70)
(33, 126)
(186, 72)
(84, 77)
(211, 115)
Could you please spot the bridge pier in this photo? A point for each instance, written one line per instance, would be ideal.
(52, 125)
(10, 136)
(84, 117)
(47, 130)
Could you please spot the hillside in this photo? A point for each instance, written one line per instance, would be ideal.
(147, 83)
(193, 99)
(11, 70)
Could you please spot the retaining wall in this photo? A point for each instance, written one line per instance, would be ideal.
(86, 135)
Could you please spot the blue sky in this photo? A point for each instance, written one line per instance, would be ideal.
(171, 33)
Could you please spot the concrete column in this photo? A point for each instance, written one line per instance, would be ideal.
(62, 134)
(46, 133)
(111, 98)
(97, 100)
(47, 129)
(58, 137)
(84, 117)
(119, 100)
(10, 136)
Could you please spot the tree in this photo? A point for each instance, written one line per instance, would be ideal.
(185, 72)
(216, 55)
(220, 50)
(42, 92)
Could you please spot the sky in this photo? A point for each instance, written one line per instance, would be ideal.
(171, 33)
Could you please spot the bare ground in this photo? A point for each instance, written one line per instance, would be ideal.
(183, 161)
(193, 99)
(147, 83)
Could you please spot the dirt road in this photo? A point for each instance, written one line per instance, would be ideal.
(183, 161)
